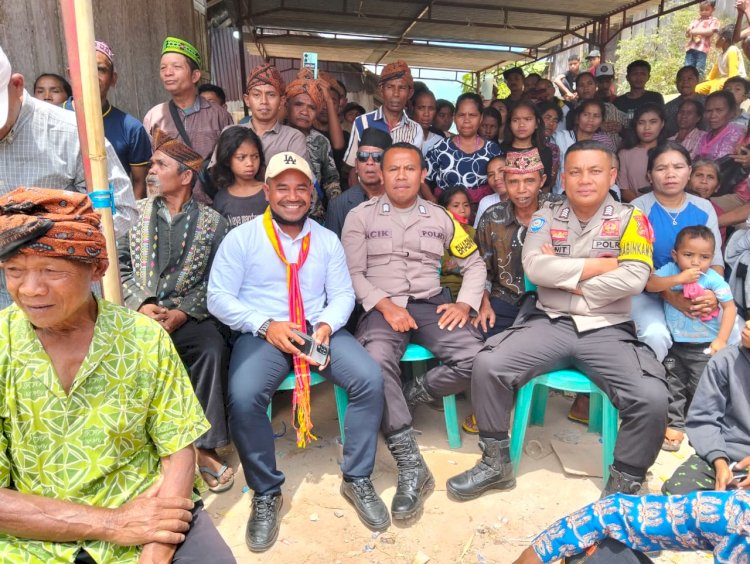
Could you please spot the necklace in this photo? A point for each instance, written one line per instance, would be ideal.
(674, 216)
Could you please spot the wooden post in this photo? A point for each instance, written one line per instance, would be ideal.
(78, 22)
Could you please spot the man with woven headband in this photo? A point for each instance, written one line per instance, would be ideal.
(164, 266)
(39, 146)
(396, 87)
(125, 132)
(272, 275)
(305, 97)
(98, 416)
(588, 255)
(264, 96)
(187, 116)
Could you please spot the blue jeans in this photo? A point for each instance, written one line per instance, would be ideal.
(697, 59)
(255, 371)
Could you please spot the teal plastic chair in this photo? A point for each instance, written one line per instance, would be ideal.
(531, 404)
(418, 354)
(340, 393)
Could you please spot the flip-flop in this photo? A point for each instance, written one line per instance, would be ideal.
(219, 487)
(671, 445)
(576, 419)
(470, 425)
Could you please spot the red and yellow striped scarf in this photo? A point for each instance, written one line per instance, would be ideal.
(301, 420)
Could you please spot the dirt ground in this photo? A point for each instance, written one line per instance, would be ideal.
(319, 526)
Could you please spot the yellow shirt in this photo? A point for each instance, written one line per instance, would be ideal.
(130, 404)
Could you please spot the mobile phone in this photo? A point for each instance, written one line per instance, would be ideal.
(737, 476)
(318, 352)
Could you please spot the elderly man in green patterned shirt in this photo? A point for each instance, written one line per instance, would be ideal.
(164, 263)
(97, 415)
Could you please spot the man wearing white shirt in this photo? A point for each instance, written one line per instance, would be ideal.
(262, 267)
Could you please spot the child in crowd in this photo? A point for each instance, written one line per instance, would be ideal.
(455, 199)
(496, 181)
(740, 88)
(236, 175)
(648, 124)
(524, 130)
(52, 88)
(699, 34)
(729, 64)
(704, 181)
(490, 125)
(695, 339)
(718, 426)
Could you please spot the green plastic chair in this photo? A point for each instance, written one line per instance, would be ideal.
(340, 393)
(418, 354)
(531, 404)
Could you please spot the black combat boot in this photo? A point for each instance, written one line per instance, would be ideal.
(620, 482)
(416, 393)
(415, 480)
(263, 526)
(493, 471)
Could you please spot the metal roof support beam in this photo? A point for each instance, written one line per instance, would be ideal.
(407, 29)
(493, 7)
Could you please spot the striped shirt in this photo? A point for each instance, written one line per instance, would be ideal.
(405, 131)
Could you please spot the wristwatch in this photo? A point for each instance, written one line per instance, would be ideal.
(264, 328)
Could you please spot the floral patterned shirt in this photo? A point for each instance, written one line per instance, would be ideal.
(131, 403)
(717, 522)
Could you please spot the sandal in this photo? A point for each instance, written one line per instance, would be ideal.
(470, 425)
(219, 487)
(579, 410)
(672, 440)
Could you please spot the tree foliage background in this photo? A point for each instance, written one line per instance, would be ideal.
(663, 47)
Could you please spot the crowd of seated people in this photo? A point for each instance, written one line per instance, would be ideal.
(420, 221)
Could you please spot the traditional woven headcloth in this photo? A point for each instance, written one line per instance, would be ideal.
(177, 45)
(522, 162)
(105, 50)
(50, 223)
(266, 74)
(397, 69)
(305, 84)
(331, 82)
(176, 149)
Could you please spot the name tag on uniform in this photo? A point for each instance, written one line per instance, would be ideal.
(562, 250)
(600, 245)
(432, 234)
(379, 234)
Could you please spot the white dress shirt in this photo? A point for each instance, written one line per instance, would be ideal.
(248, 282)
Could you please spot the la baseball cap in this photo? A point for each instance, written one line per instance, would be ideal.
(605, 69)
(4, 82)
(287, 161)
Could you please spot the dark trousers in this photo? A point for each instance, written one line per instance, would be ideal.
(685, 363)
(611, 357)
(202, 346)
(202, 543)
(609, 551)
(695, 474)
(255, 371)
(454, 349)
(505, 316)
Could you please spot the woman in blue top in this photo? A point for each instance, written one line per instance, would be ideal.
(669, 209)
(462, 160)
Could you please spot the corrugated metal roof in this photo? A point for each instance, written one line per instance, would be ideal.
(536, 27)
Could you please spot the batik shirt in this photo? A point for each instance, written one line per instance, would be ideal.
(718, 522)
(500, 238)
(327, 179)
(131, 403)
(165, 260)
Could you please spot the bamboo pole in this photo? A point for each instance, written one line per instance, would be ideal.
(78, 22)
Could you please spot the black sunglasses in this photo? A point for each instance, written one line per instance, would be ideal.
(362, 156)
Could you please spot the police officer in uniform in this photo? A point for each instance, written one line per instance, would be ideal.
(588, 255)
(394, 244)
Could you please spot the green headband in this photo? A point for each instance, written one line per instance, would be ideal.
(177, 45)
